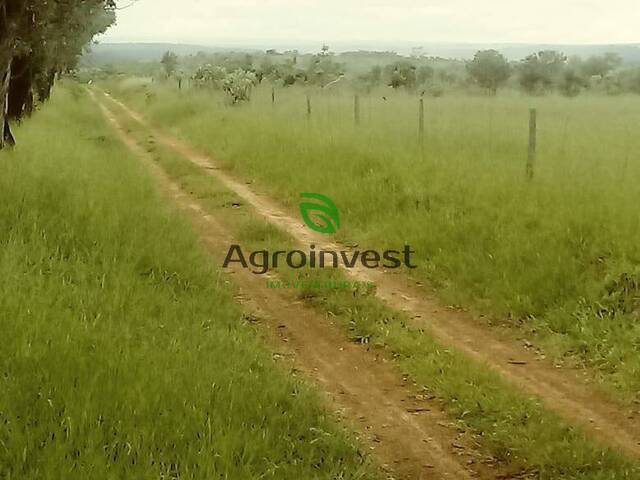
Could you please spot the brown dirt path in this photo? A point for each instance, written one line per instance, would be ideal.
(561, 390)
(408, 432)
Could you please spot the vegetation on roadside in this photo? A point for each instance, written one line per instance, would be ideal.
(39, 40)
(123, 353)
(556, 256)
(518, 433)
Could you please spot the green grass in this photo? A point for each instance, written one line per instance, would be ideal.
(518, 432)
(557, 257)
(123, 354)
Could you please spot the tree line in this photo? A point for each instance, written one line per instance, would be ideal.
(545, 71)
(40, 39)
(539, 73)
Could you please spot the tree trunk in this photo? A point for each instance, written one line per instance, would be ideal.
(20, 87)
(45, 84)
(30, 105)
(7, 37)
(6, 138)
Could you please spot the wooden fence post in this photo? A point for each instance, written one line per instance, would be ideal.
(273, 95)
(308, 106)
(421, 122)
(533, 141)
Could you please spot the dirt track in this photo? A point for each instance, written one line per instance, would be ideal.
(560, 389)
(409, 433)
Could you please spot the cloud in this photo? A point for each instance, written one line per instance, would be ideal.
(492, 21)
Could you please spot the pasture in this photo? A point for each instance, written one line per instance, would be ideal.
(554, 257)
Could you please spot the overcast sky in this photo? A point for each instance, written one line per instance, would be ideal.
(262, 23)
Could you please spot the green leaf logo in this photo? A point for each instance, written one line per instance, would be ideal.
(320, 213)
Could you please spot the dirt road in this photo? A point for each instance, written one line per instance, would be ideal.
(561, 390)
(408, 432)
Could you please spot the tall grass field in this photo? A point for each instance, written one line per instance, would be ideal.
(540, 444)
(555, 256)
(122, 352)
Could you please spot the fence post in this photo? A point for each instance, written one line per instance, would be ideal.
(533, 141)
(273, 95)
(421, 122)
(356, 110)
(308, 106)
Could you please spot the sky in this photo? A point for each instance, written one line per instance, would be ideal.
(293, 23)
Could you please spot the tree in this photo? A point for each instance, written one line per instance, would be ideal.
(209, 75)
(238, 85)
(267, 67)
(39, 39)
(540, 71)
(630, 80)
(372, 78)
(323, 68)
(600, 65)
(401, 74)
(572, 82)
(169, 63)
(425, 74)
(489, 69)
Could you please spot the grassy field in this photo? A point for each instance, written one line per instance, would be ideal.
(123, 354)
(519, 433)
(557, 256)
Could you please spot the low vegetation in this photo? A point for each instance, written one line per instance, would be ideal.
(123, 353)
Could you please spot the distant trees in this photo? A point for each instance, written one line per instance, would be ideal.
(572, 82)
(629, 80)
(238, 85)
(538, 72)
(401, 74)
(38, 40)
(549, 70)
(209, 75)
(600, 66)
(169, 63)
(489, 69)
(425, 73)
(324, 69)
(542, 72)
(372, 78)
